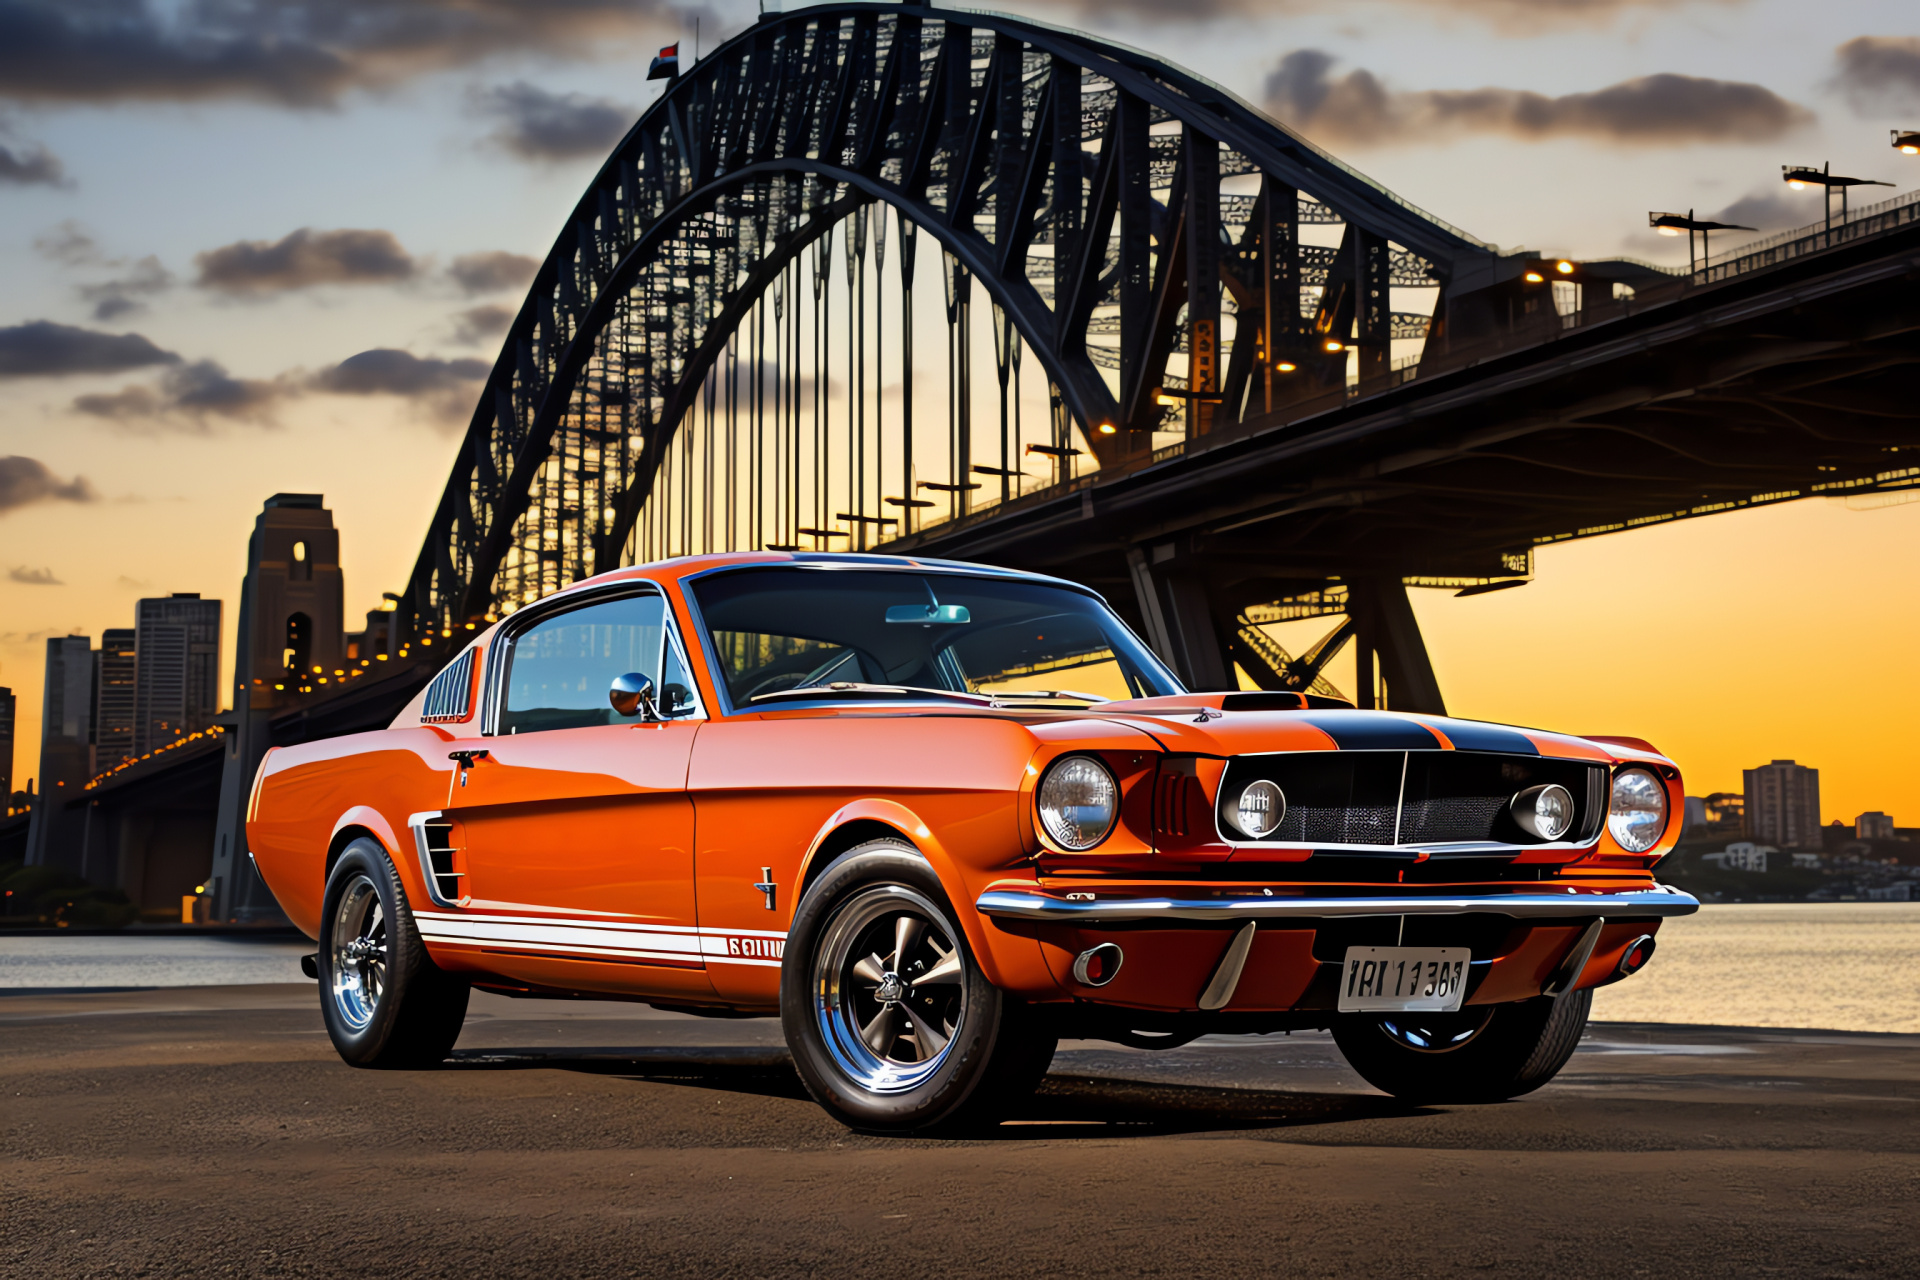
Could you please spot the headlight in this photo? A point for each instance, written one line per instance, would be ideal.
(1078, 801)
(1259, 809)
(1544, 813)
(1638, 813)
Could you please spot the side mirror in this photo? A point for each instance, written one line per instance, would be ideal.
(632, 694)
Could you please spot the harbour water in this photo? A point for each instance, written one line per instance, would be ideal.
(1836, 966)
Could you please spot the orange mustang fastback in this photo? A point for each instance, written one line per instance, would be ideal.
(938, 816)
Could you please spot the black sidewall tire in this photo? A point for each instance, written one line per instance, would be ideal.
(998, 1054)
(1523, 1046)
(419, 1014)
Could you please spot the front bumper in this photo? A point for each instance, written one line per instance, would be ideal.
(1091, 910)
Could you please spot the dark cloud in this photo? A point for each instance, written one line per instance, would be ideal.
(1769, 210)
(192, 397)
(445, 389)
(1880, 73)
(481, 324)
(293, 53)
(492, 271)
(28, 164)
(41, 348)
(33, 577)
(127, 293)
(25, 481)
(537, 125)
(303, 259)
(1357, 109)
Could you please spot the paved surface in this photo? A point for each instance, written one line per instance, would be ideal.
(207, 1131)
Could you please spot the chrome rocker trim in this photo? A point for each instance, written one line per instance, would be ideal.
(1022, 905)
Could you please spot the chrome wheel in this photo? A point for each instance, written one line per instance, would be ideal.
(889, 987)
(359, 953)
(1437, 1033)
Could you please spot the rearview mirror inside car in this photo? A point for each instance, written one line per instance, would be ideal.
(929, 614)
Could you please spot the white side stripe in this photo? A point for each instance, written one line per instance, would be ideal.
(614, 940)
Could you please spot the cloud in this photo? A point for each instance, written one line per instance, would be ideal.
(27, 164)
(25, 481)
(33, 577)
(70, 244)
(537, 125)
(125, 294)
(290, 53)
(1879, 73)
(131, 584)
(41, 348)
(1509, 17)
(303, 259)
(481, 324)
(192, 397)
(1768, 210)
(1357, 109)
(445, 389)
(492, 271)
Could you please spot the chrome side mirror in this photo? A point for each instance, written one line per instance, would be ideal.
(632, 694)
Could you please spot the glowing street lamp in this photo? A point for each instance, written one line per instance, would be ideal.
(1672, 224)
(1906, 141)
(1802, 176)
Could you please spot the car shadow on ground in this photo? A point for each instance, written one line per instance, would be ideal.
(1066, 1106)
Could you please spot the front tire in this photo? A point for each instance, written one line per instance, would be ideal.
(1487, 1053)
(892, 1025)
(385, 1003)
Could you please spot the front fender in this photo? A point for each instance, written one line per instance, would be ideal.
(1010, 962)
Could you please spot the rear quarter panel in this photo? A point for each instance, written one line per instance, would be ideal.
(307, 792)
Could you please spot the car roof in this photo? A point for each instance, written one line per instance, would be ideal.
(686, 567)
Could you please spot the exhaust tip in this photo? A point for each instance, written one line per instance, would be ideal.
(1635, 957)
(1097, 966)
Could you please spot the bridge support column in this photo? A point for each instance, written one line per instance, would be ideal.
(1178, 612)
(1389, 640)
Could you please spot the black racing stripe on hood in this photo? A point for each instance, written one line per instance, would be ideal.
(1471, 735)
(1373, 731)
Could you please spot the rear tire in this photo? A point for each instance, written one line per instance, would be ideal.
(892, 1025)
(385, 1003)
(1487, 1053)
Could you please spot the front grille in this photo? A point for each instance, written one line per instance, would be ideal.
(1395, 799)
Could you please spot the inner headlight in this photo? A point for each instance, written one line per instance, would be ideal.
(1078, 801)
(1638, 813)
(1544, 812)
(1259, 809)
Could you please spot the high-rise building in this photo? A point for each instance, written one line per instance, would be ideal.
(66, 724)
(176, 687)
(114, 672)
(6, 746)
(1783, 805)
(1873, 826)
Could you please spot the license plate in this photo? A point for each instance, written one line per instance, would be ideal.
(1403, 979)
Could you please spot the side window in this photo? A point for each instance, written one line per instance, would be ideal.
(559, 670)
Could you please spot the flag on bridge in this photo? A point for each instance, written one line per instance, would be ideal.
(667, 65)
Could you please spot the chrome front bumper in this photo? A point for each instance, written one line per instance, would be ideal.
(1020, 904)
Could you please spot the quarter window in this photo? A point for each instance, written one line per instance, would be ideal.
(560, 669)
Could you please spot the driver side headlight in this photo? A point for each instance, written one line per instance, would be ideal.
(1077, 802)
(1637, 816)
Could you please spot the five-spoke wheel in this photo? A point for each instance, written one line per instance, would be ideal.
(891, 984)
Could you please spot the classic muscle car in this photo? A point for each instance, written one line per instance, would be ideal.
(936, 817)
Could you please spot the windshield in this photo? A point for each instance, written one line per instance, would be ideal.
(783, 630)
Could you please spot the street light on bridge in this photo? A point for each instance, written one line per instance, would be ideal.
(1672, 224)
(1906, 141)
(1802, 176)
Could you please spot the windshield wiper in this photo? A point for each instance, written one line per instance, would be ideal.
(1068, 695)
(857, 686)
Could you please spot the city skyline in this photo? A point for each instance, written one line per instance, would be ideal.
(425, 187)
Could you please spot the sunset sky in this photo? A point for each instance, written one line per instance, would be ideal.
(209, 208)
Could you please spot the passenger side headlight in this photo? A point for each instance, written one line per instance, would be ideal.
(1078, 801)
(1638, 814)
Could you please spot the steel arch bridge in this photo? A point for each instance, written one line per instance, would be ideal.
(719, 352)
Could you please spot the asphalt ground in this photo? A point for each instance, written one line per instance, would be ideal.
(212, 1131)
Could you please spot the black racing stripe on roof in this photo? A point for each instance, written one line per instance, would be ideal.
(1373, 731)
(1471, 735)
